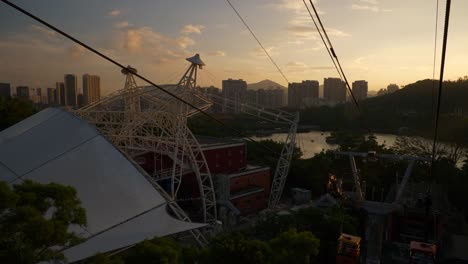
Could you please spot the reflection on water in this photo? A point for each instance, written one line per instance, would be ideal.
(314, 142)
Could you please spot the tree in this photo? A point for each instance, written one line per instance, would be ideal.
(272, 224)
(13, 110)
(294, 247)
(158, 250)
(423, 147)
(235, 248)
(101, 258)
(34, 221)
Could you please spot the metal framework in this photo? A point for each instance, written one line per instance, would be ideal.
(357, 182)
(141, 119)
(378, 210)
(276, 116)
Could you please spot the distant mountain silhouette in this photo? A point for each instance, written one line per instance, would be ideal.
(419, 97)
(265, 84)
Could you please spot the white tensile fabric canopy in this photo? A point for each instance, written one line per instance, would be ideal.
(122, 206)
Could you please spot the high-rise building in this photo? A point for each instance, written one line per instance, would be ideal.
(71, 86)
(298, 93)
(235, 90)
(334, 90)
(50, 96)
(22, 92)
(60, 94)
(360, 90)
(79, 100)
(91, 89)
(391, 88)
(5, 89)
(272, 98)
(35, 95)
(211, 92)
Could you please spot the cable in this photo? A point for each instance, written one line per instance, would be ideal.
(258, 41)
(323, 40)
(435, 53)
(441, 81)
(334, 54)
(239, 133)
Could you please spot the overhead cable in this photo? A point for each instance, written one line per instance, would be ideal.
(109, 59)
(258, 41)
(435, 56)
(330, 46)
(323, 40)
(441, 82)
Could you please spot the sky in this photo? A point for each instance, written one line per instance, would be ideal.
(381, 41)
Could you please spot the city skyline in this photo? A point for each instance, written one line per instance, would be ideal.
(378, 41)
(66, 92)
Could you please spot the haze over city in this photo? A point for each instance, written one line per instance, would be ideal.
(382, 42)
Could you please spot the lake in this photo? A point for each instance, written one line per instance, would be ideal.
(313, 142)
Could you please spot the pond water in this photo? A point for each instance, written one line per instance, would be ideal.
(313, 142)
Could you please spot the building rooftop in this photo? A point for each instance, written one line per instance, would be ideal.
(214, 142)
(249, 169)
(247, 191)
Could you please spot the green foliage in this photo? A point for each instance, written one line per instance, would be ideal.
(270, 226)
(34, 221)
(104, 259)
(326, 224)
(288, 245)
(294, 247)
(247, 124)
(236, 248)
(158, 250)
(13, 110)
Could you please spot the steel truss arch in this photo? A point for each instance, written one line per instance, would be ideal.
(143, 119)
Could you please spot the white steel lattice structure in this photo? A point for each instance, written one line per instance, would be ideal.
(276, 116)
(146, 119)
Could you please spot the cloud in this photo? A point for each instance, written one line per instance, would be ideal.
(296, 64)
(188, 29)
(133, 40)
(303, 31)
(299, 66)
(301, 26)
(43, 30)
(76, 51)
(296, 6)
(337, 33)
(369, 5)
(365, 7)
(146, 42)
(259, 52)
(217, 53)
(372, 2)
(115, 13)
(123, 24)
(184, 42)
